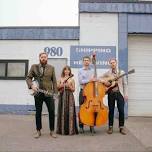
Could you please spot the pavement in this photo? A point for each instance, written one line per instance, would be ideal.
(16, 135)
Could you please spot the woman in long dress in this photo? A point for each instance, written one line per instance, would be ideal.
(66, 120)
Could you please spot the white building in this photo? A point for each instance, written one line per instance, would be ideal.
(111, 27)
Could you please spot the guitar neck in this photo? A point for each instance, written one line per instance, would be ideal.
(118, 77)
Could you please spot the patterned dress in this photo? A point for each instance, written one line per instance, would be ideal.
(66, 119)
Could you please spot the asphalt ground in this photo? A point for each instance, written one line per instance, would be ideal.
(16, 135)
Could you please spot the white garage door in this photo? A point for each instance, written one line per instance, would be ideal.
(140, 83)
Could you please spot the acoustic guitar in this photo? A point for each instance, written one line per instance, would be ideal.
(112, 79)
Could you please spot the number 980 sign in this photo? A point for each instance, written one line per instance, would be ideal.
(54, 51)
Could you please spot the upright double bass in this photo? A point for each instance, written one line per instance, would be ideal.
(93, 112)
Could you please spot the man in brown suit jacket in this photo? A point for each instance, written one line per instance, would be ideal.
(45, 76)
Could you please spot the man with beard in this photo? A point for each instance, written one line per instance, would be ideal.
(44, 74)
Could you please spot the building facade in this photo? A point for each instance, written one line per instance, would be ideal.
(111, 28)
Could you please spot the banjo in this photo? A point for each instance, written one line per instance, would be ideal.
(35, 93)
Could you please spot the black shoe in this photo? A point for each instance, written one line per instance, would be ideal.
(122, 131)
(110, 130)
(81, 130)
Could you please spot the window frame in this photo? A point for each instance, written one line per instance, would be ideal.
(6, 77)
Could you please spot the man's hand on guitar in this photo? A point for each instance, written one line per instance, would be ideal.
(106, 83)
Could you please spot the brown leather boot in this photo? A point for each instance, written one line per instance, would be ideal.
(110, 130)
(122, 131)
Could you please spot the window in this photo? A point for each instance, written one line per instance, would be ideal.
(13, 69)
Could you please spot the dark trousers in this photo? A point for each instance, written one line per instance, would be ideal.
(49, 101)
(81, 101)
(112, 96)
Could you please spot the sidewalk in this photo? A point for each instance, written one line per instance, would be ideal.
(16, 134)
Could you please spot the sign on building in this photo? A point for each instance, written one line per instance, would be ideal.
(103, 55)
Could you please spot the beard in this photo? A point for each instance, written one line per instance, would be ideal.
(43, 62)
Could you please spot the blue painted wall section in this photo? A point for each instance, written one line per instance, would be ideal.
(16, 109)
(140, 23)
(39, 33)
(116, 7)
(130, 24)
(123, 41)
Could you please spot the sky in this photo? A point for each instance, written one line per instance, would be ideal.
(38, 12)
